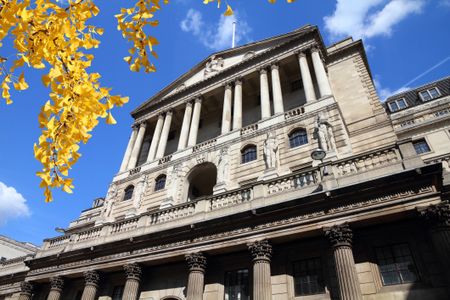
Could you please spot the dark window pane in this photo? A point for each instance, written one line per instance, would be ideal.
(236, 285)
(434, 92)
(298, 138)
(128, 193)
(425, 96)
(421, 146)
(308, 277)
(393, 106)
(160, 183)
(117, 293)
(396, 264)
(248, 154)
(401, 103)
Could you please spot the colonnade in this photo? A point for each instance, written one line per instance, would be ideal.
(232, 109)
(340, 238)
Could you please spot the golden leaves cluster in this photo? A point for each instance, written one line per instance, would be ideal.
(49, 35)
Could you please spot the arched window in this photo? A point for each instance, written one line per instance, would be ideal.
(160, 182)
(128, 193)
(248, 154)
(297, 138)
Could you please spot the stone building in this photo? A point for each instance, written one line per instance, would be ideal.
(268, 171)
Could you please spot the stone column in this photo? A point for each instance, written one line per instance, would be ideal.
(155, 138)
(133, 274)
(164, 135)
(278, 106)
(91, 279)
(56, 286)
(262, 287)
(237, 109)
(226, 113)
(196, 280)
(321, 74)
(126, 157)
(195, 123)
(26, 290)
(184, 134)
(137, 146)
(438, 217)
(340, 237)
(308, 85)
(265, 97)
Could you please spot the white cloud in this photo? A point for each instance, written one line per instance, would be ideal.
(445, 3)
(216, 36)
(385, 92)
(369, 18)
(12, 204)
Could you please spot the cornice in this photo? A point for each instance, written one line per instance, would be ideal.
(18, 245)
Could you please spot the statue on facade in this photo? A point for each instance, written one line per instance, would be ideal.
(324, 133)
(223, 162)
(110, 199)
(140, 188)
(271, 151)
(175, 182)
(213, 65)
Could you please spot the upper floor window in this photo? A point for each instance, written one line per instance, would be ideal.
(296, 85)
(236, 285)
(117, 292)
(160, 182)
(248, 154)
(308, 279)
(397, 104)
(128, 193)
(297, 138)
(396, 264)
(421, 146)
(429, 94)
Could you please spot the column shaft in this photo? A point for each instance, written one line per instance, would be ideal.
(237, 109)
(196, 283)
(137, 146)
(308, 85)
(131, 289)
(184, 134)
(346, 274)
(127, 155)
(24, 296)
(26, 290)
(92, 279)
(54, 295)
(321, 74)
(56, 287)
(265, 97)
(195, 123)
(278, 106)
(226, 113)
(155, 138)
(164, 135)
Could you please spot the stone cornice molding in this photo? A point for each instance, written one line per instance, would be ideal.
(18, 245)
(196, 261)
(56, 283)
(91, 277)
(260, 250)
(133, 271)
(339, 235)
(26, 288)
(438, 215)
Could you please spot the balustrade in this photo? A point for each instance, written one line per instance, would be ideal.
(172, 213)
(230, 199)
(367, 162)
(249, 129)
(165, 159)
(89, 234)
(204, 145)
(293, 113)
(125, 225)
(292, 182)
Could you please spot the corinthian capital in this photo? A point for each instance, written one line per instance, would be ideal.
(91, 277)
(196, 261)
(339, 235)
(26, 287)
(260, 250)
(437, 214)
(133, 271)
(56, 283)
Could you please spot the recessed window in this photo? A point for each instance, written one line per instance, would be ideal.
(421, 146)
(171, 135)
(397, 104)
(308, 279)
(396, 264)
(128, 193)
(296, 85)
(160, 183)
(117, 292)
(429, 94)
(236, 285)
(248, 154)
(297, 138)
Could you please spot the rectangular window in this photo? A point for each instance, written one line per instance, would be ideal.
(308, 278)
(296, 85)
(117, 292)
(421, 146)
(236, 285)
(396, 264)
(429, 94)
(397, 104)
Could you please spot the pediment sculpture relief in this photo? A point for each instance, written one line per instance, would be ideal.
(213, 66)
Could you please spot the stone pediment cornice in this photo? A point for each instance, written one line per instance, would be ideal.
(310, 33)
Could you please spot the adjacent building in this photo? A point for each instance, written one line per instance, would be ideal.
(268, 171)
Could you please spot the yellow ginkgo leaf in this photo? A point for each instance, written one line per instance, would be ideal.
(21, 85)
(110, 119)
(229, 11)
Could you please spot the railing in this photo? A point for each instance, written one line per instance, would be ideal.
(367, 162)
(292, 182)
(58, 241)
(293, 113)
(205, 145)
(125, 225)
(230, 199)
(89, 234)
(135, 170)
(165, 159)
(173, 213)
(249, 129)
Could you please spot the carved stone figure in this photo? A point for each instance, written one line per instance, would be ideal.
(140, 188)
(324, 133)
(109, 201)
(174, 182)
(271, 151)
(213, 65)
(223, 162)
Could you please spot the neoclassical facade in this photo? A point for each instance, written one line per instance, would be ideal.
(268, 171)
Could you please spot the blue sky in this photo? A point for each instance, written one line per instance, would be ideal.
(405, 39)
